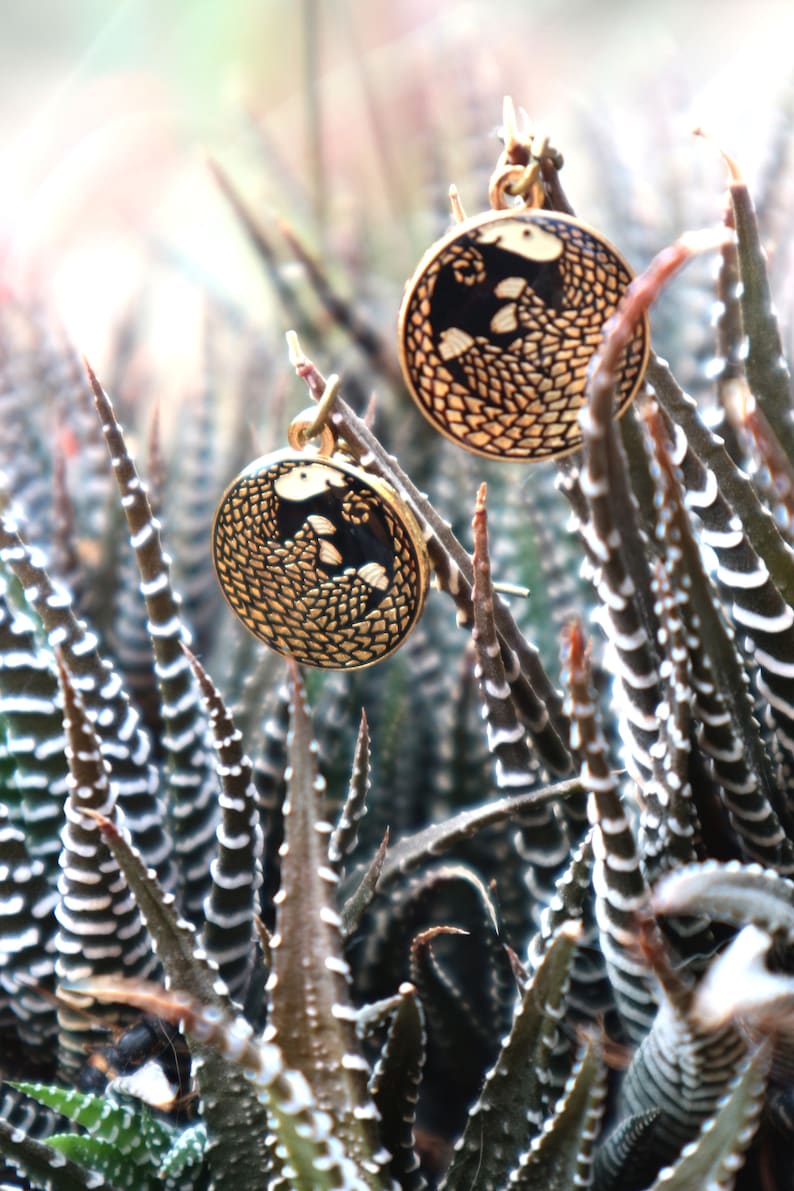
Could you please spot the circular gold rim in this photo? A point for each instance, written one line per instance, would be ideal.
(434, 251)
(387, 494)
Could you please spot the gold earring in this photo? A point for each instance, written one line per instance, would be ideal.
(503, 315)
(321, 561)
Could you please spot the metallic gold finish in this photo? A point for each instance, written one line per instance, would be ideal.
(516, 181)
(498, 327)
(302, 429)
(319, 560)
(313, 422)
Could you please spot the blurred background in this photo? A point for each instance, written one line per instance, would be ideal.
(130, 129)
(349, 120)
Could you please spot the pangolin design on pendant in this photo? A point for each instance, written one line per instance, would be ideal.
(498, 327)
(318, 560)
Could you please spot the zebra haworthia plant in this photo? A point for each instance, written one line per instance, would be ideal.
(487, 917)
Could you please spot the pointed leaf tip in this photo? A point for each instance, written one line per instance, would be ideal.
(89, 370)
(734, 171)
(99, 392)
(574, 647)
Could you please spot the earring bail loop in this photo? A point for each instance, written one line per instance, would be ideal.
(516, 181)
(314, 422)
(301, 431)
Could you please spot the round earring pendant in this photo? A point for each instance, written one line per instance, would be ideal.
(319, 561)
(499, 324)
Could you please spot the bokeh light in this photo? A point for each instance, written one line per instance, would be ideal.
(108, 114)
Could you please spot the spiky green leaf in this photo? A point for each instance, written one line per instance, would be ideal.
(711, 1161)
(510, 1109)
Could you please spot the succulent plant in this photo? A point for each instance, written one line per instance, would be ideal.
(484, 917)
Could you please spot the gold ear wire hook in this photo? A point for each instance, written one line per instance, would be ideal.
(518, 172)
(313, 422)
(516, 181)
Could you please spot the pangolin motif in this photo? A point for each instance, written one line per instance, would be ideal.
(498, 327)
(318, 561)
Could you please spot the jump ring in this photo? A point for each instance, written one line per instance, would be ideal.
(297, 435)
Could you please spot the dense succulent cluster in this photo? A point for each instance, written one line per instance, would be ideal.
(510, 910)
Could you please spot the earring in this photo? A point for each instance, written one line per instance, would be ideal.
(319, 560)
(503, 315)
